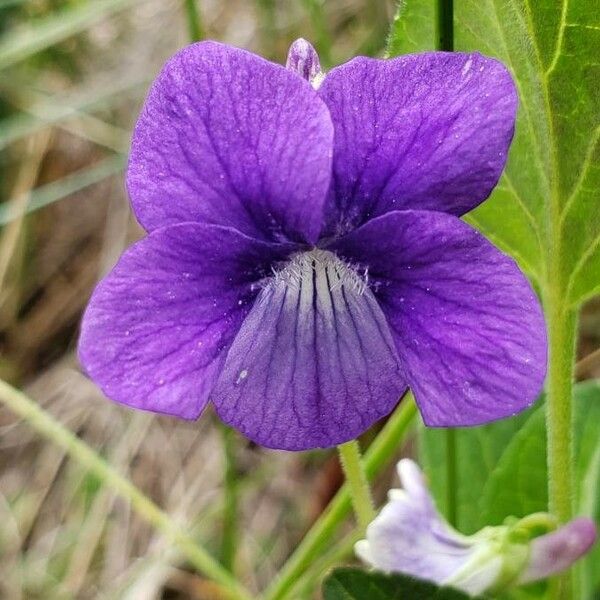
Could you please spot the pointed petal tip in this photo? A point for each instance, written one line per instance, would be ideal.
(303, 59)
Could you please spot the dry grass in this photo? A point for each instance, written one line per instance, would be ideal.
(62, 534)
(70, 108)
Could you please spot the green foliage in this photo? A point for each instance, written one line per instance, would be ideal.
(545, 211)
(517, 486)
(413, 28)
(355, 584)
(478, 452)
(502, 466)
(502, 469)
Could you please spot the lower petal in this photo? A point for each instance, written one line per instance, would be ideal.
(314, 363)
(467, 325)
(158, 326)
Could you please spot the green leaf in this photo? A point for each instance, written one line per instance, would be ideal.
(517, 486)
(413, 28)
(588, 478)
(589, 505)
(546, 209)
(502, 467)
(355, 584)
(478, 450)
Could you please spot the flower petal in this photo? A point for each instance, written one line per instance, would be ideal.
(229, 138)
(468, 327)
(557, 551)
(157, 328)
(314, 363)
(424, 131)
(409, 535)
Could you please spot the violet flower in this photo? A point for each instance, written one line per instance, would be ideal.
(409, 536)
(304, 261)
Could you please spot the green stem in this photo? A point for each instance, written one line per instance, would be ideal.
(79, 451)
(360, 492)
(338, 553)
(562, 328)
(319, 537)
(229, 541)
(445, 25)
(194, 20)
(445, 41)
(318, 19)
(451, 477)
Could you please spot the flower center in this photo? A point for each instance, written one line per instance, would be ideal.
(323, 271)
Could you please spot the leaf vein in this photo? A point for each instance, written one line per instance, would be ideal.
(559, 39)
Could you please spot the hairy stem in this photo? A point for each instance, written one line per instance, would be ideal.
(445, 41)
(79, 451)
(451, 477)
(319, 537)
(445, 25)
(360, 492)
(562, 327)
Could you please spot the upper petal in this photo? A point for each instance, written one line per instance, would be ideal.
(468, 327)
(314, 363)
(424, 131)
(157, 327)
(229, 138)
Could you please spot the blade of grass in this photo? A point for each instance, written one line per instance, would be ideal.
(319, 22)
(320, 534)
(79, 451)
(194, 20)
(56, 108)
(78, 123)
(23, 42)
(57, 190)
(34, 154)
(90, 534)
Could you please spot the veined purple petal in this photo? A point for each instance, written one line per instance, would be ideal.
(557, 551)
(314, 363)
(467, 325)
(226, 137)
(424, 131)
(157, 328)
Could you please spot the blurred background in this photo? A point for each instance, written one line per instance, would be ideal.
(73, 74)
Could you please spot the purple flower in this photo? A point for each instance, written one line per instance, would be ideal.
(410, 536)
(304, 261)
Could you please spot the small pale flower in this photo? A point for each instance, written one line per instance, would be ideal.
(305, 262)
(410, 536)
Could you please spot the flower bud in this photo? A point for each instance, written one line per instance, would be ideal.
(303, 59)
